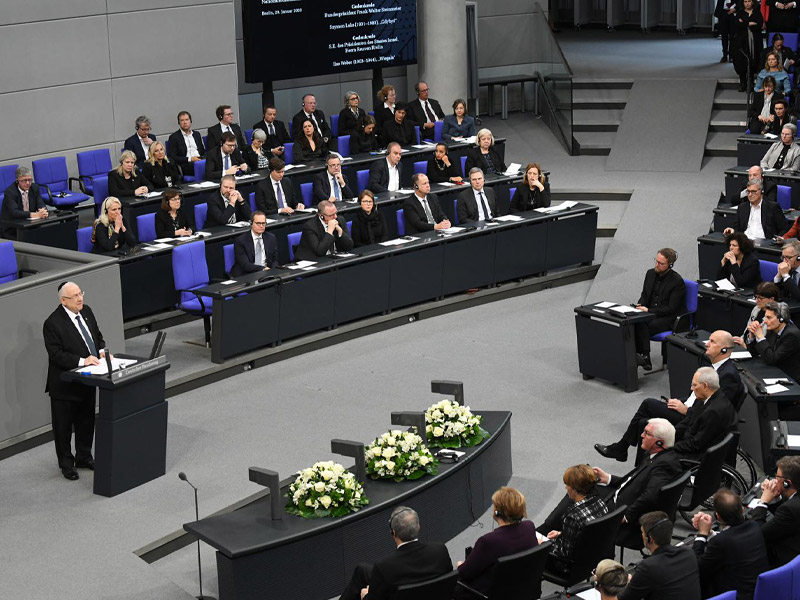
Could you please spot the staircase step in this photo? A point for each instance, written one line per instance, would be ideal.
(601, 84)
(595, 126)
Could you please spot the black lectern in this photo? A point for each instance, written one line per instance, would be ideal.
(131, 427)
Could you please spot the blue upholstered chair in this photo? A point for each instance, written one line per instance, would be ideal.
(421, 166)
(305, 193)
(683, 322)
(293, 239)
(455, 211)
(146, 225)
(416, 131)
(252, 197)
(731, 595)
(9, 270)
(190, 273)
(463, 165)
(335, 125)
(362, 179)
(344, 145)
(100, 193)
(93, 164)
(777, 584)
(438, 127)
(248, 136)
(200, 170)
(55, 183)
(200, 214)
(288, 153)
(7, 177)
(401, 223)
(785, 197)
(85, 239)
(227, 255)
(768, 270)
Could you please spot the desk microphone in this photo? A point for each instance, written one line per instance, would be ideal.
(108, 361)
(182, 477)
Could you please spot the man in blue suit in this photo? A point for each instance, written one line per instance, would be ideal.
(139, 142)
(255, 250)
(22, 200)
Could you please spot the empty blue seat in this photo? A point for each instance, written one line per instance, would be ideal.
(8, 263)
(288, 153)
(248, 135)
(463, 165)
(438, 127)
(335, 125)
(784, 197)
(455, 211)
(200, 170)
(293, 240)
(775, 584)
(228, 257)
(401, 223)
(93, 164)
(55, 183)
(344, 145)
(768, 270)
(421, 166)
(85, 239)
(7, 177)
(416, 131)
(100, 193)
(305, 193)
(200, 214)
(190, 273)
(146, 225)
(362, 179)
(252, 197)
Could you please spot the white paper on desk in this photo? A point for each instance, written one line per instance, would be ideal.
(405, 191)
(708, 285)
(769, 170)
(741, 354)
(269, 221)
(311, 268)
(770, 136)
(398, 241)
(471, 139)
(447, 184)
(541, 538)
(604, 304)
(305, 210)
(152, 194)
(754, 502)
(407, 150)
(508, 218)
(157, 247)
(589, 595)
(624, 309)
(344, 255)
(228, 282)
(419, 145)
(150, 248)
(772, 380)
(102, 369)
(512, 169)
(164, 240)
(290, 167)
(793, 440)
(776, 389)
(247, 176)
(205, 184)
(301, 264)
(725, 284)
(201, 234)
(752, 300)
(239, 224)
(453, 230)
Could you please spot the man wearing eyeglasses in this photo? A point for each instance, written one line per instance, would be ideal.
(784, 154)
(139, 142)
(788, 277)
(424, 111)
(780, 344)
(758, 218)
(256, 250)
(324, 235)
(330, 184)
(782, 533)
(224, 114)
(72, 339)
(22, 200)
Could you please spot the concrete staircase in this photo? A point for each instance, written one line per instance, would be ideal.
(728, 119)
(597, 106)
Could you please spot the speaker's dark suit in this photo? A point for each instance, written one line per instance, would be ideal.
(782, 533)
(265, 196)
(414, 214)
(782, 350)
(218, 213)
(705, 424)
(134, 145)
(416, 114)
(732, 560)
(772, 220)
(244, 253)
(215, 163)
(315, 242)
(177, 150)
(214, 137)
(322, 188)
(349, 123)
(12, 206)
(671, 573)
(467, 205)
(72, 404)
(297, 124)
(379, 176)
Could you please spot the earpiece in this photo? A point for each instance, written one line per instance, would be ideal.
(500, 515)
(787, 483)
(660, 443)
(650, 531)
(726, 349)
(416, 187)
(394, 516)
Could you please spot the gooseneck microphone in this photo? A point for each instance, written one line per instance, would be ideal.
(182, 477)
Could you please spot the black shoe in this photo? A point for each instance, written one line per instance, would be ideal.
(724, 59)
(70, 474)
(85, 464)
(742, 87)
(646, 364)
(615, 451)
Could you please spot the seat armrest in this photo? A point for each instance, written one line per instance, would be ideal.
(49, 194)
(76, 180)
(474, 592)
(23, 272)
(197, 295)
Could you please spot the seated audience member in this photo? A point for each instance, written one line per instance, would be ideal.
(733, 558)
(669, 571)
(533, 192)
(695, 431)
(739, 264)
(171, 220)
(413, 561)
(746, 21)
(277, 134)
(255, 250)
(761, 109)
(459, 124)
(309, 145)
(793, 233)
(255, 155)
(440, 168)
(225, 159)
(765, 292)
(639, 488)
(399, 129)
(317, 118)
(609, 579)
(22, 200)
(780, 49)
(782, 533)
(773, 68)
(127, 180)
(478, 202)
(484, 156)
(780, 118)
(421, 210)
(513, 534)
(784, 154)
(663, 294)
(581, 484)
(770, 188)
(139, 142)
(351, 117)
(388, 96)
(323, 234)
(159, 170)
(185, 145)
(424, 111)
(369, 224)
(111, 230)
(788, 279)
(772, 221)
(384, 175)
(226, 125)
(275, 195)
(782, 16)
(780, 345)
(365, 139)
(330, 184)
(227, 206)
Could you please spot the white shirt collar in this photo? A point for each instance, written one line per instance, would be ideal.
(71, 314)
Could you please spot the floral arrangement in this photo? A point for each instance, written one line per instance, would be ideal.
(399, 455)
(450, 425)
(326, 489)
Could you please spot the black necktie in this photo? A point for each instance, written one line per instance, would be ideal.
(429, 112)
(486, 214)
(86, 337)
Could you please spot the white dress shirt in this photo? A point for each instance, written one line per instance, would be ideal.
(74, 322)
(191, 147)
(394, 177)
(690, 400)
(481, 216)
(755, 230)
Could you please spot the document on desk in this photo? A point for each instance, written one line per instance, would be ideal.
(509, 218)
(624, 309)
(290, 167)
(154, 247)
(228, 282)
(793, 441)
(206, 184)
(405, 191)
(513, 169)
(344, 255)
(605, 304)
(741, 355)
(453, 230)
(152, 194)
(567, 204)
(447, 184)
(589, 595)
(725, 284)
(164, 240)
(301, 264)
(243, 177)
(399, 241)
(420, 146)
(305, 210)
(102, 369)
(770, 136)
(239, 224)
(776, 388)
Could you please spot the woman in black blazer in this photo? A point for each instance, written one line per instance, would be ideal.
(159, 170)
(308, 145)
(366, 139)
(126, 180)
(255, 155)
(111, 231)
(533, 192)
(739, 264)
(440, 168)
(369, 225)
(351, 117)
(388, 96)
(171, 221)
(484, 156)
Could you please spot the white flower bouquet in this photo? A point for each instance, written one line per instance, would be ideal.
(399, 455)
(326, 489)
(450, 425)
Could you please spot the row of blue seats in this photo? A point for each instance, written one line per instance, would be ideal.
(782, 583)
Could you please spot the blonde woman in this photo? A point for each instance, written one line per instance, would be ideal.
(111, 231)
(159, 170)
(127, 180)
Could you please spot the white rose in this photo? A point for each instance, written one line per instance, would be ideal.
(325, 501)
(309, 502)
(423, 460)
(319, 487)
(327, 475)
(389, 465)
(428, 428)
(389, 452)
(438, 432)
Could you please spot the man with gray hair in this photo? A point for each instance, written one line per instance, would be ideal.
(413, 561)
(139, 142)
(780, 345)
(758, 218)
(788, 278)
(784, 154)
(477, 203)
(22, 200)
(770, 191)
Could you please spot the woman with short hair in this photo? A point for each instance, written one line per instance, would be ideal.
(484, 156)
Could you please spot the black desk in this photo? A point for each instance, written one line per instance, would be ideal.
(736, 178)
(607, 346)
(57, 230)
(751, 148)
(292, 557)
(718, 309)
(711, 247)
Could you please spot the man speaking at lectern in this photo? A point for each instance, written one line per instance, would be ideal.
(72, 339)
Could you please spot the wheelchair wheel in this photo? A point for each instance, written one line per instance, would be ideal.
(746, 467)
(731, 479)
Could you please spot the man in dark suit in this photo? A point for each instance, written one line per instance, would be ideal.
(670, 573)
(227, 205)
(421, 211)
(256, 250)
(72, 339)
(478, 202)
(226, 125)
(399, 129)
(788, 277)
(718, 349)
(734, 558)
(275, 194)
(185, 145)
(384, 175)
(317, 117)
(225, 159)
(782, 532)
(663, 294)
(324, 234)
(139, 142)
(413, 561)
(277, 135)
(772, 221)
(780, 346)
(770, 187)
(424, 111)
(22, 200)
(330, 184)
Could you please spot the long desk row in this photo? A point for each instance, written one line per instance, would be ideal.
(711, 247)
(736, 178)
